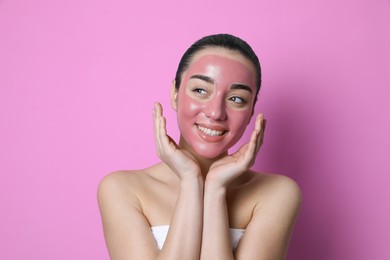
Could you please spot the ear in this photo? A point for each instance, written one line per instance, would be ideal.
(174, 93)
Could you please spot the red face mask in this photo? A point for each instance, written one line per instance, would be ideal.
(215, 102)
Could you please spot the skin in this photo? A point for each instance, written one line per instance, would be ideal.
(198, 188)
(218, 93)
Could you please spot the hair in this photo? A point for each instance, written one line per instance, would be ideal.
(225, 41)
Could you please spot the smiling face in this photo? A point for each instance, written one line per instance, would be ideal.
(215, 101)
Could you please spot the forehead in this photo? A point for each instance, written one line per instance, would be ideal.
(221, 56)
(222, 64)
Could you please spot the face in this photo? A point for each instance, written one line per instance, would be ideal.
(215, 101)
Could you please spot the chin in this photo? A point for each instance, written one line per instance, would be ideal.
(210, 152)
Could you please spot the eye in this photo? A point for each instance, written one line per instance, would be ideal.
(238, 100)
(199, 91)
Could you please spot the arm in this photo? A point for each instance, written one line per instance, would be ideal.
(216, 238)
(268, 233)
(184, 236)
(127, 231)
(277, 200)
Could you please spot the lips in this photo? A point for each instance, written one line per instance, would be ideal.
(211, 132)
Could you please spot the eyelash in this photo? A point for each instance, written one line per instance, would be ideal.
(202, 91)
(199, 90)
(243, 100)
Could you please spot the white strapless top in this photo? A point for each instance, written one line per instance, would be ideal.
(160, 234)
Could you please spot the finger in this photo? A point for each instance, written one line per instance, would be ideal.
(259, 119)
(252, 148)
(257, 135)
(247, 151)
(248, 148)
(260, 124)
(263, 130)
(261, 141)
(162, 130)
(155, 122)
(165, 140)
(158, 134)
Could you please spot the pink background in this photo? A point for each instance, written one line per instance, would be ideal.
(77, 84)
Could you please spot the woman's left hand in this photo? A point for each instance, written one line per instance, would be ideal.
(225, 170)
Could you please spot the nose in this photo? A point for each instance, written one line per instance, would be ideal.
(215, 109)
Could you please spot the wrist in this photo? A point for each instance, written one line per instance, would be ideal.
(192, 181)
(215, 188)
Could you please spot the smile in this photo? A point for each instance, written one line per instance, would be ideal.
(210, 132)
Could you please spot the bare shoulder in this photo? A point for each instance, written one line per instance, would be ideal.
(123, 186)
(278, 200)
(118, 181)
(267, 184)
(275, 202)
(277, 191)
(262, 194)
(124, 223)
(270, 185)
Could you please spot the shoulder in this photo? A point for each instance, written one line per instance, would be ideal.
(276, 203)
(268, 183)
(268, 191)
(124, 222)
(117, 187)
(275, 189)
(263, 195)
(277, 183)
(278, 198)
(129, 185)
(122, 186)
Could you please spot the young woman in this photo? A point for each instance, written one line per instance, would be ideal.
(200, 202)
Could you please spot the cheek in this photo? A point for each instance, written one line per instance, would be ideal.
(240, 117)
(188, 106)
(238, 121)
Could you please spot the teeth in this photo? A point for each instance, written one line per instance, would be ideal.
(209, 131)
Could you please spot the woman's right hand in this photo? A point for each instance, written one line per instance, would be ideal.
(181, 162)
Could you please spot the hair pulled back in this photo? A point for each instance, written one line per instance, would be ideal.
(226, 41)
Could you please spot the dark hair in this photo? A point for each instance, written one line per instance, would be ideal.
(226, 41)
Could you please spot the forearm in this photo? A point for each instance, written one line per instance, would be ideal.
(185, 232)
(216, 242)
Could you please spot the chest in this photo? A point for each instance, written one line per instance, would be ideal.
(159, 201)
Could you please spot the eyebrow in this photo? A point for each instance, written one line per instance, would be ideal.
(241, 86)
(211, 81)
(203, 77)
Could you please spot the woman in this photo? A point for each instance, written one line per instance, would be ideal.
(200, 202)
